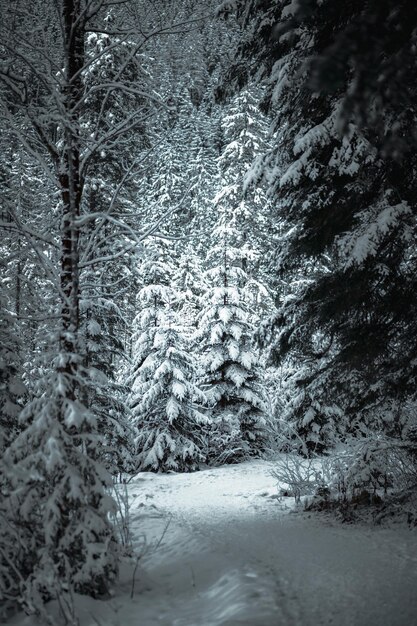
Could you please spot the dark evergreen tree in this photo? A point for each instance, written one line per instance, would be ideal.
(345, 198)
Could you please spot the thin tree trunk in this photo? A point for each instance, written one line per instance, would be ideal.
(71, 189)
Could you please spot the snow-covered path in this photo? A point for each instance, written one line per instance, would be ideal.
(234, 555)
(222, 550)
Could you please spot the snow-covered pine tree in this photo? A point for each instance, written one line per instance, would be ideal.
(231, 377)
(245, 137)
(55, 531)
(188, 280)
(171, 433)
(155, 271)
(163, 396)
(242, 200)
(204, 140)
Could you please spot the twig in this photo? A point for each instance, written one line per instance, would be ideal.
(132, 592)
(192, 577)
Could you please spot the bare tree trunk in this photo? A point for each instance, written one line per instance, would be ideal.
(71, 187)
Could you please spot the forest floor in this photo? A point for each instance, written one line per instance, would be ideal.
(219, 548)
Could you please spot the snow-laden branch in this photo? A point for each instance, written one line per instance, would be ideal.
(114, 197)
(30, 150)
(168, 30)
(43, 78)
(46, 263)
(27, 231)
(14, 82)
(137, 238)
(123, 127)
(117, 86)
(101, 286)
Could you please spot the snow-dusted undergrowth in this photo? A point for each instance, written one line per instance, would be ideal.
(219, 548)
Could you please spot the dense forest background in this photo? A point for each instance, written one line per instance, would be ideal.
(208, 254)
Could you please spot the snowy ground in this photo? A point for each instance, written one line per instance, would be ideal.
(222, 550)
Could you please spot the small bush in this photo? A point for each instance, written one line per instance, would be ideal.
(367, 472)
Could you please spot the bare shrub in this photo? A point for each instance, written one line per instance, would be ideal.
(299, 475)
(121, 517)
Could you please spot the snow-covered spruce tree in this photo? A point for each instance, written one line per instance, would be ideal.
(55, 531)
(204, 138)
(188, 281)
(181, 170)
(164, 396)
(231, 377)
(244, 130)
(242, 198)
(171, 434)
(155, 294)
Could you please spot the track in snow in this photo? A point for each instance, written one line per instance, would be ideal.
(234, 555)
